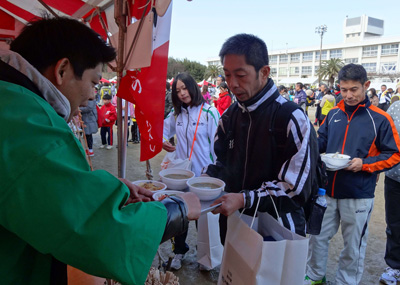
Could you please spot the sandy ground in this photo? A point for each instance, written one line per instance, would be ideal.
(190, 274)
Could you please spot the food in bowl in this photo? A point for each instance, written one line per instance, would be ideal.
(334, 160)
(175, 178)
(161, 195)
(150, 185)
(206, 188)
(206, 185)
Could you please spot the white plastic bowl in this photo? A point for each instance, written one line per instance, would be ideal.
(335, 160)
(175, 184)
(206, 194)
(155, 183)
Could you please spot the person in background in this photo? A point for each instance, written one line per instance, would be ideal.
(220, 79)
(167, 110)
(194, 123)
(205, 94)
(108, 113)
(89, 118)
(374, 100)
(384, 101)
(105, 89)
(327, 103)
(300, 97)
(392, 213)
(310, 99)
(54, 210)
(283, 91)
(135, 133)
(368, 136)
(224, 100)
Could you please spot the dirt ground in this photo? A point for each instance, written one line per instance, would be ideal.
(190, 274)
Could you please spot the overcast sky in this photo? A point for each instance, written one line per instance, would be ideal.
(200, 27)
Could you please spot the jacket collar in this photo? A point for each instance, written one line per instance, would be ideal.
(48, 91)
(364, 104)
(265, 93)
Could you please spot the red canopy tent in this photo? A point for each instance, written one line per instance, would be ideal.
(106, 17)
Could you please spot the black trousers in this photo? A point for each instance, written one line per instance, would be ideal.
(89, 139)
(106, 131)
(297, 220)
(392, 210)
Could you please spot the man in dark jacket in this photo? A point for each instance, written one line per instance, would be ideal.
(368, 135)
(248, 159)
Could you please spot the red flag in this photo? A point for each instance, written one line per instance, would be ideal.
(146, 89)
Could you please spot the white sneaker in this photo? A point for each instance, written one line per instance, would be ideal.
(177, 261)
(103, 146)
(109, 147)
(390, 276)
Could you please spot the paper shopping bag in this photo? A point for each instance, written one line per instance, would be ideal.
(273, 256)
(209, 247)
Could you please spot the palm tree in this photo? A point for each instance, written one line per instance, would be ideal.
(213, 71)
(330, 69)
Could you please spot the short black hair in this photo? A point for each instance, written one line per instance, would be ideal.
(300, 84)
(354, 72)
(253, 48)
(44, 42)
(191, 86)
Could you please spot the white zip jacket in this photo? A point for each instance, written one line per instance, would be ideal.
(184, 127)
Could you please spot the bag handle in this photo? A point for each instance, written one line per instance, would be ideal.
(195, 132)
(258, 204)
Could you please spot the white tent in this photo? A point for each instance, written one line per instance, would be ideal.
(294, 80)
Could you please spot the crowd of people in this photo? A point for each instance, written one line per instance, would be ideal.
(55, 211)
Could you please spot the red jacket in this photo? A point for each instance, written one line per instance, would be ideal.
(107, 111)
(223, 102)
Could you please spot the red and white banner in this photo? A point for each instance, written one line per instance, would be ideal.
(146, 89)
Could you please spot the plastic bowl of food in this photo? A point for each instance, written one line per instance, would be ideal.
(150, 185)
(206, 188)
(161, 195)
(335, 159)
(176, 178)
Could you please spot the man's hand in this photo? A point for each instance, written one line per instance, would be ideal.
(107, 120)
(138, 194)
(355, 165)
(192, 204)
(168, 146)
(230, 203)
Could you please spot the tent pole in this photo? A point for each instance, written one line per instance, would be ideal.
(120, 19)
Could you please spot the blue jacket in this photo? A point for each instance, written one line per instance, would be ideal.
(369, 133)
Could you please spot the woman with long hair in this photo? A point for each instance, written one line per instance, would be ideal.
(205, 93)
(194, 122)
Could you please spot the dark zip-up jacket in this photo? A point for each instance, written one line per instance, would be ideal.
(247, 158)
(367, 133)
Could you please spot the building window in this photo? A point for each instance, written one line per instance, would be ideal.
(324, 55)
(273, 71)
(295, 57)
(307, 56)
(370, 51)
(282, 71)
(351, 60)
(273, 59)
(390, 49)
(294, 70)
(306, 70)
(316, 68)
(283, 58)
(370, 67)
(336, 53)
(388, 67)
